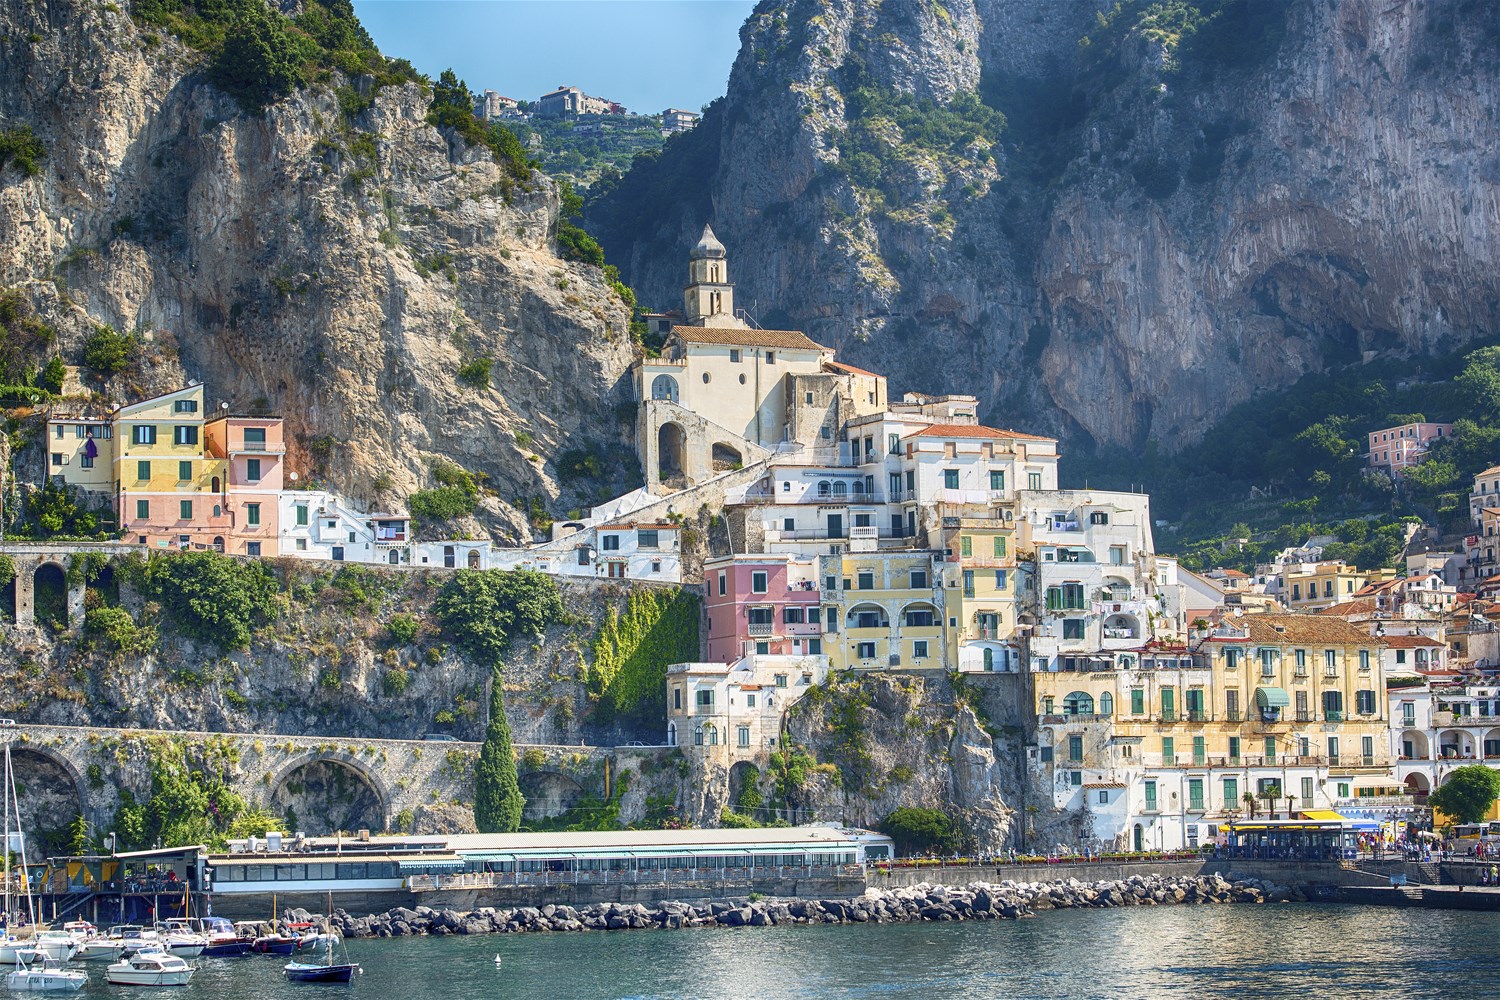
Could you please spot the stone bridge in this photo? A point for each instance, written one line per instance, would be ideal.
(43, 571)
(321, 784)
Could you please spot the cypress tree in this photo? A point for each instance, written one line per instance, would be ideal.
(497, 791)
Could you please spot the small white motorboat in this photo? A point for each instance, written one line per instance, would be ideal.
(149, 968)
(59, 945)
(180, 941)
(39, 973)
(100, 949)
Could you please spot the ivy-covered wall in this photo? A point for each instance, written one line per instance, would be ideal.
(627, 679)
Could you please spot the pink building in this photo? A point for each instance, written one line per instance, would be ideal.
(762, 603)
(1396, 448)
(255, 452)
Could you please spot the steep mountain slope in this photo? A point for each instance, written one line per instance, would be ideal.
(335, 265)
(1190, 200)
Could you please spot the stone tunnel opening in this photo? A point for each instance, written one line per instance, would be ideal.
(49, 802)
(548, 794)
(51, 595)
(322, 797)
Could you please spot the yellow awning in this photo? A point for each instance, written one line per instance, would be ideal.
(1323, 815)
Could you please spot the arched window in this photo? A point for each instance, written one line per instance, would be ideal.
(840, 489)
(989, 658)
(823, 488)
(698, 736)
(713, 734)
(1106, 704)
(1078, 703)
(663, 387)
(395, 557)
(214, 484)
(671, 734)
(473, 558)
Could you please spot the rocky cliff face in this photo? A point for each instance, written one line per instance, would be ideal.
(1182, 211)
(336, 270)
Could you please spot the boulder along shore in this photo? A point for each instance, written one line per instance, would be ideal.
(976, 901)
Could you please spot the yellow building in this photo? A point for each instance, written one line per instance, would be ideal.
(979, 582)
(1313, 586)
(883, 610)
(1161, 744)
(81, 452)
(170, 490)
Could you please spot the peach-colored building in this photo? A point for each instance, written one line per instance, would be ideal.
(1397, 448)
(254, 454)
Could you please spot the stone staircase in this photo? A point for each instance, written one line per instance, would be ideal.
(1412, 893)
(1425, 872)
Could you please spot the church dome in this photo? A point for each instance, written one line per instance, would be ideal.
(708, 245)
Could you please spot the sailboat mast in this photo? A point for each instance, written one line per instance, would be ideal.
(10, 782)
(7, 834)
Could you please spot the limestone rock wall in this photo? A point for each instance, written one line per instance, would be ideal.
(335, 271)
(1149, 245)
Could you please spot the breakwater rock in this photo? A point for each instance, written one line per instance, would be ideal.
(975, 901)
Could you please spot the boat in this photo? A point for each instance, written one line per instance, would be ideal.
(180, 941)
(327, 972)
(274, 944)
(132, 938)
(58, 945)
(220, 937)
(149, 968)
(99, 949)
(80, 930)
(41, 973)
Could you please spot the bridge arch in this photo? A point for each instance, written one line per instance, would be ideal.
(322, 796)
(51, 791)
(548, 793)
(49, 583)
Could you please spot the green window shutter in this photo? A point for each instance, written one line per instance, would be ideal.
(999, 547)
(1137, 701)
(965, 545)
(1168, 749)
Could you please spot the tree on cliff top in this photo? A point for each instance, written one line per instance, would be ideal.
(497, 790)
(259, 61)
(1468, 793)
(917, 830)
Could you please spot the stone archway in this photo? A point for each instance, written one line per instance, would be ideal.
(51, 794)
(744, 790)
(322, 794)
(548, 794)
(726, 457)
(671, 451)
(49, 592)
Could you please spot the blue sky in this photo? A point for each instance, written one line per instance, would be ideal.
(646, 54)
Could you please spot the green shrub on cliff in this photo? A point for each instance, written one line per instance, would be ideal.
(918, 830)
(628, 674)
(210, 597)
(191, 799)
(452, 107)
(21, 147)
(257, 55)
(482, 610)
(497, 789)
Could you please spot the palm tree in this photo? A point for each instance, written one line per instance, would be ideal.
(1249, 799)
(1271, 793)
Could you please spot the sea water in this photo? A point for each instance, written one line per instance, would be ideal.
(1240, 951)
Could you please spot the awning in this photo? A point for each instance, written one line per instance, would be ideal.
(1322, 815)
(1271, 698)
(445, 864)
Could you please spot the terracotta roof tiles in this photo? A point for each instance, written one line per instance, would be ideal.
(1292, 630)
(788, 340)
(972, 431)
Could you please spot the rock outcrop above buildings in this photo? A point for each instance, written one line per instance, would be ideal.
(1168, 223)
(337, 269)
